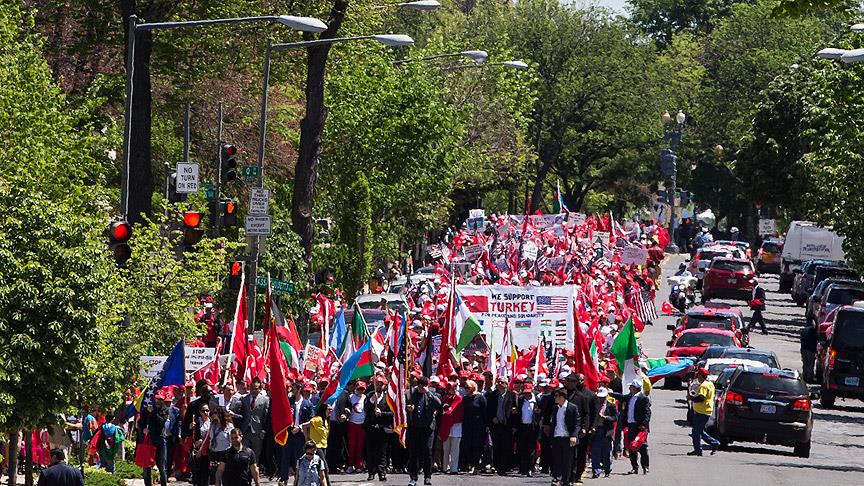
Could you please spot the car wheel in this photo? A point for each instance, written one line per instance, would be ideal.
(827, 399)
(724, 443)
(802, 449)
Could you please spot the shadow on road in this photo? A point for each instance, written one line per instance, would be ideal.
(833, 417)
(760, 450)
(808, 465)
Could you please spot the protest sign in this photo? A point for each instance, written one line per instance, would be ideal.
(195, 359)
(634, 255)
(472, 252)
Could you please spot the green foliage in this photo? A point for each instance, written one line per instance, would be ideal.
(128, 469)
(356, 232)
(662, 19)
(98, 477)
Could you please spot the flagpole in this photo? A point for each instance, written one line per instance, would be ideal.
(230, 360)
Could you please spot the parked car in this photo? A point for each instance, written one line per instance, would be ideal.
(715, 367)
(835, 296)
(804, 241)
(815, 271)
(713, 317)
(767, 258)
(814, 301)
(703, 258)
(764, 356)
(693, 343)
(766, 405)
(742, 247)
(373, 301)
(730, 278)
(840, 362)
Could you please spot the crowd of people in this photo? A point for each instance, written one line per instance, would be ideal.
(460, 416)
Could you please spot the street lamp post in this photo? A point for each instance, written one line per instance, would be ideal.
(390, 40)
(672, 136)
(304, 24)
(478, 57)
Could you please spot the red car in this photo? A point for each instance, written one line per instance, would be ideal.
(728, 278)
(713, 316)
(694, 342)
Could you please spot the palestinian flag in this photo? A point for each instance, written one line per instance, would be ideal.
(465, 321)
(359, 331)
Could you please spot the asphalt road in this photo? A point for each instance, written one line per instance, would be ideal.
(837, 453)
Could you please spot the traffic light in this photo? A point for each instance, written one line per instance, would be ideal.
(235, 275)
(173, 195)
(668, 161)
(118, 234)
(228, 212)
(192, 231)
(228, 162)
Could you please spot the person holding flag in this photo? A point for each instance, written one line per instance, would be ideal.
(636, 416)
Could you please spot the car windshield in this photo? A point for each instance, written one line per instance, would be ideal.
(375, 304)
(770, 383)
(772, 247)
(712, 322)
(848, 331)
(845, 296)
(730, 265)
(723, 379)
(717, 368)
(704, 339)
(767, 359)
(832, 272)
(710, 255)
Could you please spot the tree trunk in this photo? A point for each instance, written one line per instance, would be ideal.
(28, 458)
(14, 441)
(140, 172)
(311, 128)
(537, 191)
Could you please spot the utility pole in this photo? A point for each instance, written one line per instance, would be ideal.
(217, 220)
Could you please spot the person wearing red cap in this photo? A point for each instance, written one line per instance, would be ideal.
(450, 429)
(379, 420)
(703, 406)
(528, 431)
(356, 433)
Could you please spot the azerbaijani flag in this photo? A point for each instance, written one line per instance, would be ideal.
(359, 365)
(359, 331)
(469, 325)
(659, 368)
(340, 339)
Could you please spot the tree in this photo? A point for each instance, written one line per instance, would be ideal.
(356, 232)
(592, 121)
(662, 19)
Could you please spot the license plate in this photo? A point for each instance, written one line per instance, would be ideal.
(852, 381)
(732, 280)
(768, 408)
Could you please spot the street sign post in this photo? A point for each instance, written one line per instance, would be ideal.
(257, 225)
(278, 286)
(767, 227)
(187, 178)
(259, 201)
(250, 173)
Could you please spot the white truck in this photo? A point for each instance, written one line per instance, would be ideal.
(804, 241)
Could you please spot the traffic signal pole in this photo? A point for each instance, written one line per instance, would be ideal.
(218, 220)
(256, 240)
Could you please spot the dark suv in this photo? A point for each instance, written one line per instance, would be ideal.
(766, 405)
(816, 271)
(841, 360)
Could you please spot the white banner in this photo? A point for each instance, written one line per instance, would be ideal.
(633, 254)
(195, 359)
(528, 311)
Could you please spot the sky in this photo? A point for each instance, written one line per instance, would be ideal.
(615, 5)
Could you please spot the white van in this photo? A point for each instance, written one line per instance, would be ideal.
(806, 240)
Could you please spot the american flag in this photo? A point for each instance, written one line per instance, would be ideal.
(434, 251)
(643, 305)
(552, 303)
(542, 262)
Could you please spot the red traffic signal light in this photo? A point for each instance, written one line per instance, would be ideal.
(228, 212)
(235, 275)
(236, 268)
(230, 150)
(121, 231)
(228, 162)
(192, 219)
(118, 234)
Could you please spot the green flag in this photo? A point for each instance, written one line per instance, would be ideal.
(625, 348)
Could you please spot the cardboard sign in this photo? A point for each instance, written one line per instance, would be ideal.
(634, 255)
(529, 250)
(767, 227)
(312, 358)
(476, 213)
(472, 252)
(195, 359)
(578, 219)
(601, 237)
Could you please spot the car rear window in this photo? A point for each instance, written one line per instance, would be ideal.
(769, 382)
(772, 247)
(705, 339)
(829, 272)
(730, 265)
(710, 255)
(712, 322)
(845, 296)
(767, 359)
(848, 331)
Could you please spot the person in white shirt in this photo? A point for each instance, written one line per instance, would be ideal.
(356, 432)
(565, 425)
(528, 431)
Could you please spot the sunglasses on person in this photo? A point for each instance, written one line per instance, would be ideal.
(310, 452)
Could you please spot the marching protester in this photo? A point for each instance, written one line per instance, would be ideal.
(473, 442)
(636, 417)
(423, 409)
(501, 406)
(566, 425)
(239, 465)
(379, 423)
(200, 447)
(527, 431)
(450, 429)
(603, 434)
(256, 407)
(310, 470)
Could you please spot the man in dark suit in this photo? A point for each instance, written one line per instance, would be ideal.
(303, 411)
(60, 473)
(424, 408)
(565, 423)
(256, 422)
(757, 303)
(337, 449)
(546, 405)
(501, 409)
(636, 416)
(379, 422)
(583, 398)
